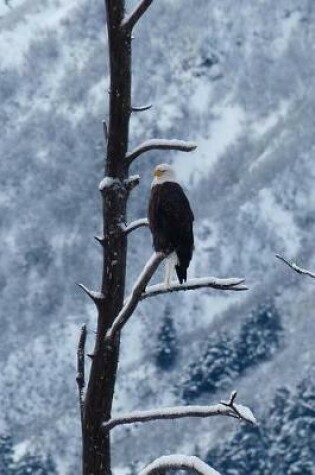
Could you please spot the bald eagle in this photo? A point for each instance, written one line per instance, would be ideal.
(171, 222)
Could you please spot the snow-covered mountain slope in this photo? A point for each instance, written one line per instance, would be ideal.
(234, 76)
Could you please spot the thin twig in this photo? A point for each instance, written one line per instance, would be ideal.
(296, 268)
(95, 296)
(80, 369)
(100, 240)
(178, 462)
(141, 108)
(160, 144)
(138, 223)
(131, 19)
(229, 409)
(232, 283)
(135, 296)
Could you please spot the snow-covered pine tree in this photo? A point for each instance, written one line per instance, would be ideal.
(215, 369)
(167, 345)
(260, 335)
(283, 443)
(292, 429)
(26, 465)
(6, 454)
(227, 355)
(34, 465)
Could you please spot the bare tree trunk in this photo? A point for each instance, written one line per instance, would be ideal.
(96, 406)
(100, 390)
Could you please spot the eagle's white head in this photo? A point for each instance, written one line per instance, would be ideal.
(162, 174)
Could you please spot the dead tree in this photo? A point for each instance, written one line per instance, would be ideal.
(113, 310)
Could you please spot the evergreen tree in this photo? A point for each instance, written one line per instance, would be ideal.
(227, 356)
(259, 336)
(167, 346)
(34, 465)
(283, 444)
(293, 432)
(215, 369)
(6, 454)
(246, 454)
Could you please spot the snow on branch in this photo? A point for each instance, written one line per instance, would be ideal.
(131, 182)
(139, 10)
(233, 283)
(160, 144)
(242, 412)
(134, 298)
(141, 292)
(229, 409)
(178, 462)
(296, 268)
(108, 182)
(80, 369)
(138, 223)
(141, 108)
(96, 297)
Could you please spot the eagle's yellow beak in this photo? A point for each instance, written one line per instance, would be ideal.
(158, 173)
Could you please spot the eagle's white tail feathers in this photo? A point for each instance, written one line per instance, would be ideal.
(170, 263)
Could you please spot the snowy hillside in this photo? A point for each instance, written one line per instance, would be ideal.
(235, 77)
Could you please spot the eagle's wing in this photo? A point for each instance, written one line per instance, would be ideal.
(171, 218)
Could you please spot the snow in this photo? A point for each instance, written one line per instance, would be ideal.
(132, 179)
(170, 113)
(171, 412)
(108, 182)
(200, 98)
(18, 40)
(224, 131)
(136, 224)
(233, 283)
(21, 449)
(262, 126)
(178, 461)
(288, 26)
(294, 266)
(246, 413)
(162, 144)
(6, 9)
(95, 295)
(281, 221)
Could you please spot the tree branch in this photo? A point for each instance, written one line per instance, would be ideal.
(160, 144)
(131, 182)
(138, 223)
(140, 292)
(232, 283)
(134, 298)
(100, 240)
(229, 409)
(178, 462)
(296, 268)
(96, 297)
(130, 20)
(80, 369)
(142, 108)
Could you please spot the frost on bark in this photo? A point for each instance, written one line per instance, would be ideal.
(113, 308)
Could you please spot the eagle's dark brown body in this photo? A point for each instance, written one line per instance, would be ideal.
(171, 223)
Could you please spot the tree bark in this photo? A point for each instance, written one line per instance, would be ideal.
(100, 390)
